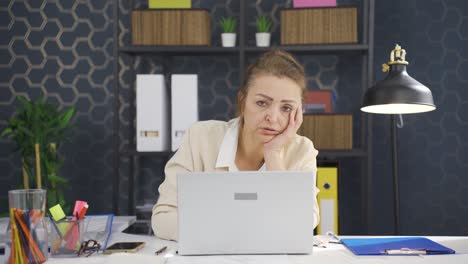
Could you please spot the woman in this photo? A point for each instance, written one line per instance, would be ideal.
(262, 137)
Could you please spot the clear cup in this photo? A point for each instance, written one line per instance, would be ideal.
(66, 237)
(28, 229)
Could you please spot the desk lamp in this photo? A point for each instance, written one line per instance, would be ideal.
(397, 94)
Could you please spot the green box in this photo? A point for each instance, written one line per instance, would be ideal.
(169, 4)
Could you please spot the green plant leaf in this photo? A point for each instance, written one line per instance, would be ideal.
(65, 118)
(24, 101)
(57, 179)
(7, 131)
(40, 122)
(263, 23)
(228, 24)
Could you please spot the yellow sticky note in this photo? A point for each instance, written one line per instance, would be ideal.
(57, 212)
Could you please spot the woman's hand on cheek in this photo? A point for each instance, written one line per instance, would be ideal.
(278, 141)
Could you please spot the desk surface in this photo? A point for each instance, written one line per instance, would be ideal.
(334, 253)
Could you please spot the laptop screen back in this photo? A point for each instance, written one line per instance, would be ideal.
(260, 212)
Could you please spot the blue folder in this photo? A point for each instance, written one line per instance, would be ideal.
(395, 246)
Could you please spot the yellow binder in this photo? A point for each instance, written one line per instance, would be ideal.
(327, 182)
(170, 3)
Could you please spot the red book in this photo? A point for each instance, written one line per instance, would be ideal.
(320, 101)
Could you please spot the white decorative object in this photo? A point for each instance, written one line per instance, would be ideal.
(228, 39)
(152, 127)
(263, 39)
(184, 90)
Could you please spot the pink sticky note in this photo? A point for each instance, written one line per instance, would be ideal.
(313, 3)
(78, 206)
(75, 232)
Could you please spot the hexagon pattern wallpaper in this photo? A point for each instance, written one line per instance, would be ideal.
(432, 146)
(64, 50)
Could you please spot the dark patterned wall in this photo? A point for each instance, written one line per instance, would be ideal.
(63, 50)
(432, 146)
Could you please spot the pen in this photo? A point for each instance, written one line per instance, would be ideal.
(338, 240)
(161, 250)
(83, 211)
(55, 226)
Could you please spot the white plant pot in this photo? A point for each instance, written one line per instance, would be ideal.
(228, 39)
(263, 39)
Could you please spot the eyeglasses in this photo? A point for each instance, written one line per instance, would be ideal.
(89, 247)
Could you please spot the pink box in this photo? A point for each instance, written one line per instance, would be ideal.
(313, 3)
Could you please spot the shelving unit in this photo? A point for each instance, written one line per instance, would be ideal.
(364, 49)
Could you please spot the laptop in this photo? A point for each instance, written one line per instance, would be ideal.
(254, 212)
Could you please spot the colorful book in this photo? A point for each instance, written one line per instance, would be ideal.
(169, 4)
(318, 101)
(313, 3)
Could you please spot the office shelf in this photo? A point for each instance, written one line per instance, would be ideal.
(179, 50)
(162, 154)
(323, 48)
(203, 50)
(326, 153)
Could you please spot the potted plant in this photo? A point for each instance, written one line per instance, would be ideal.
(37, 131)
(229, 26)
(263, 34)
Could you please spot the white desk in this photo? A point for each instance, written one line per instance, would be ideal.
(333, 254)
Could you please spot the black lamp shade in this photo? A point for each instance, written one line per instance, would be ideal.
(398, 93)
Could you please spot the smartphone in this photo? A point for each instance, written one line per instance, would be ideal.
(124, 247)
(139, 228)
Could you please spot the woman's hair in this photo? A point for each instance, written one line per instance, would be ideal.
(276, 62)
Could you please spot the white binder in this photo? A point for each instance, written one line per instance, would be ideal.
(184, 97)
(152, 113)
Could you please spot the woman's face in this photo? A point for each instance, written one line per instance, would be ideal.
(268, 105)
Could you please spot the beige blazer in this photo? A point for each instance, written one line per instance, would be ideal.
(199, 152)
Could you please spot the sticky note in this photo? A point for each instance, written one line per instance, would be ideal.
(57, 212)
(78, 207)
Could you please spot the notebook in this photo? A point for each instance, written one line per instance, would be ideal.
(395, 246)
(260, 212)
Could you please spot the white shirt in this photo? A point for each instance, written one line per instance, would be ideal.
(228, 150)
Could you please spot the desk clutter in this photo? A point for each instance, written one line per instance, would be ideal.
(392, 246)
(77, 235)
(28, 231)
(28, 241)
(34, 234)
